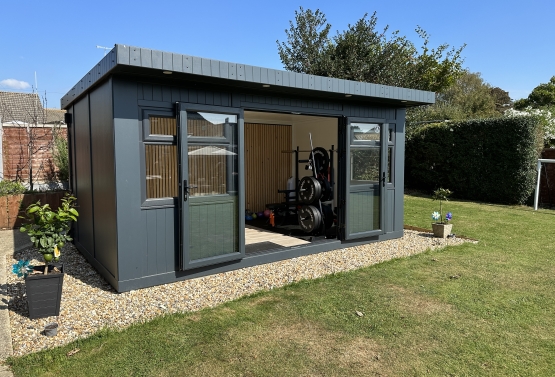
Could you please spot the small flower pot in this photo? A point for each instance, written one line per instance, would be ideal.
(442, 230)
(51, 329)
(44, 292)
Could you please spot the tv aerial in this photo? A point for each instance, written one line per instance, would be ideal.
(106, 49)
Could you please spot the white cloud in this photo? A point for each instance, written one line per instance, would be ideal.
(14, 84)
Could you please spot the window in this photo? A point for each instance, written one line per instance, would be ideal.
(161, 179)
(161, 171)
(390, 152)
(212, 153)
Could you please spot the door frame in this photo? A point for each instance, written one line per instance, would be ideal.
(185, 263)
(345, 178)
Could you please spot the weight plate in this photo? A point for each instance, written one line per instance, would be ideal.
(310, 218)
(321, 159)
(310, 190)
(327, 193)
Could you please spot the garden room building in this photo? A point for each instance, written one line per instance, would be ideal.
(185, 166)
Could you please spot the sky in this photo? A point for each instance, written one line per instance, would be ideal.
(511, 43)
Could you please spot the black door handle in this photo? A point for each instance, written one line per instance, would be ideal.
(186, 190)
(383, 179)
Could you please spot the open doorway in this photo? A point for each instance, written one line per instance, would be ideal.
(279, 166)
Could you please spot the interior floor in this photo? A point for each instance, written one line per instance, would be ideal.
(257, 235)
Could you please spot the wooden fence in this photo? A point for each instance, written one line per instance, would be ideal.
(13, 206)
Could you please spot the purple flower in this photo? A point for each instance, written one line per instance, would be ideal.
(449, 216)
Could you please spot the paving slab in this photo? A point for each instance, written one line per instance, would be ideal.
(10, 241)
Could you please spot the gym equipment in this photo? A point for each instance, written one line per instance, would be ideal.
(327, 193)
(310, 218)
(304, 196)
(320, 160)
(310, 190)
(267, 213)
(260, 214)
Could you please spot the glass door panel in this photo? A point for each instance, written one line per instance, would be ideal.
(366, 167)
(211, 203)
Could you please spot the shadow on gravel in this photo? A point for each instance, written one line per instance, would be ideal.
(75, 266)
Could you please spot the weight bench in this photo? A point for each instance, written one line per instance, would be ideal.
(281, 210)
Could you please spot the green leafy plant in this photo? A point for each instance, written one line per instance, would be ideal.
(441, 194)
(61, 157)
(48, 229)
(11, 188)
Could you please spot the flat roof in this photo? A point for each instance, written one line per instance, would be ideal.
(144, 61)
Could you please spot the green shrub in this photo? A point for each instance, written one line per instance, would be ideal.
(11, 188)
(491, 160)
(61, 157)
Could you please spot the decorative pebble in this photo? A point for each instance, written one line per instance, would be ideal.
(89, 303)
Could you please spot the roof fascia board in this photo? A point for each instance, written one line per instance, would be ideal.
(123, 55)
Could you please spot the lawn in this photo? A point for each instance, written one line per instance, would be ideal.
(471, 310)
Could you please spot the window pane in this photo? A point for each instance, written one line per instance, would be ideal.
(365, 131)
(210, 168)
(389, 166)
(365, 164)
(163, 126)
(161, 171)
(209, 124)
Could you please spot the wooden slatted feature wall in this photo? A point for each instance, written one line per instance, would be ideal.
(207, 171)
(267, 169)
(161, 171)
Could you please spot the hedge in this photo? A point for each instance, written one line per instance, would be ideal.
(490, 160)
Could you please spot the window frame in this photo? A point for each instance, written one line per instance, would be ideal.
(148, 139)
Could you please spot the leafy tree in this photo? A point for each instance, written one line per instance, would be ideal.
(502, 100)
(543, 95)
(468, 98)
(60, 155)
(361, 53)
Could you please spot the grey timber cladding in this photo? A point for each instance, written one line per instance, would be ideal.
(84, 236)
(123, 55)
(171, 94)
(103, 173)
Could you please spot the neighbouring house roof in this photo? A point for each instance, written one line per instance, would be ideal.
(144, 61)
(27, 108)
(55, 116)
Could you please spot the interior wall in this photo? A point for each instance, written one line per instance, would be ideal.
(267, 169)
(324, 131)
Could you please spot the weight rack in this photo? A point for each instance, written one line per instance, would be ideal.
(328, 176)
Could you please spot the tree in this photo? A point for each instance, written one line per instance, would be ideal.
(468, 98)
(543, 95)
(502, 100)
(361, 53)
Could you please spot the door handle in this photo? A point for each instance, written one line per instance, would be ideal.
(383, 179)
(186, 190)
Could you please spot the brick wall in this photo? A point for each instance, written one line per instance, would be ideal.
(15, 153)
(547, 180)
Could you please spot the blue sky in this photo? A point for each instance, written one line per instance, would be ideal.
(511, 43)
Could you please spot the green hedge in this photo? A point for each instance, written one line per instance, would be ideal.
(490, 160)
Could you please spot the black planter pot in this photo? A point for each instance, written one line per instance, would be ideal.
(44, 292)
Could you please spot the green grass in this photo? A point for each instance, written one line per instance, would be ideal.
(495, 319)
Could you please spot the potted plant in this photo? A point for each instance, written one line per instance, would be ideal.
(48, 231)
(441, 227)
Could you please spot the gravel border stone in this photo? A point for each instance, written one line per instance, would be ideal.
(90, 304)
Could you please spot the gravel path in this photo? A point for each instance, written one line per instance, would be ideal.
(89, 303)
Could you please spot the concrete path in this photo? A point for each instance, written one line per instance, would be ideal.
(10, 241)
